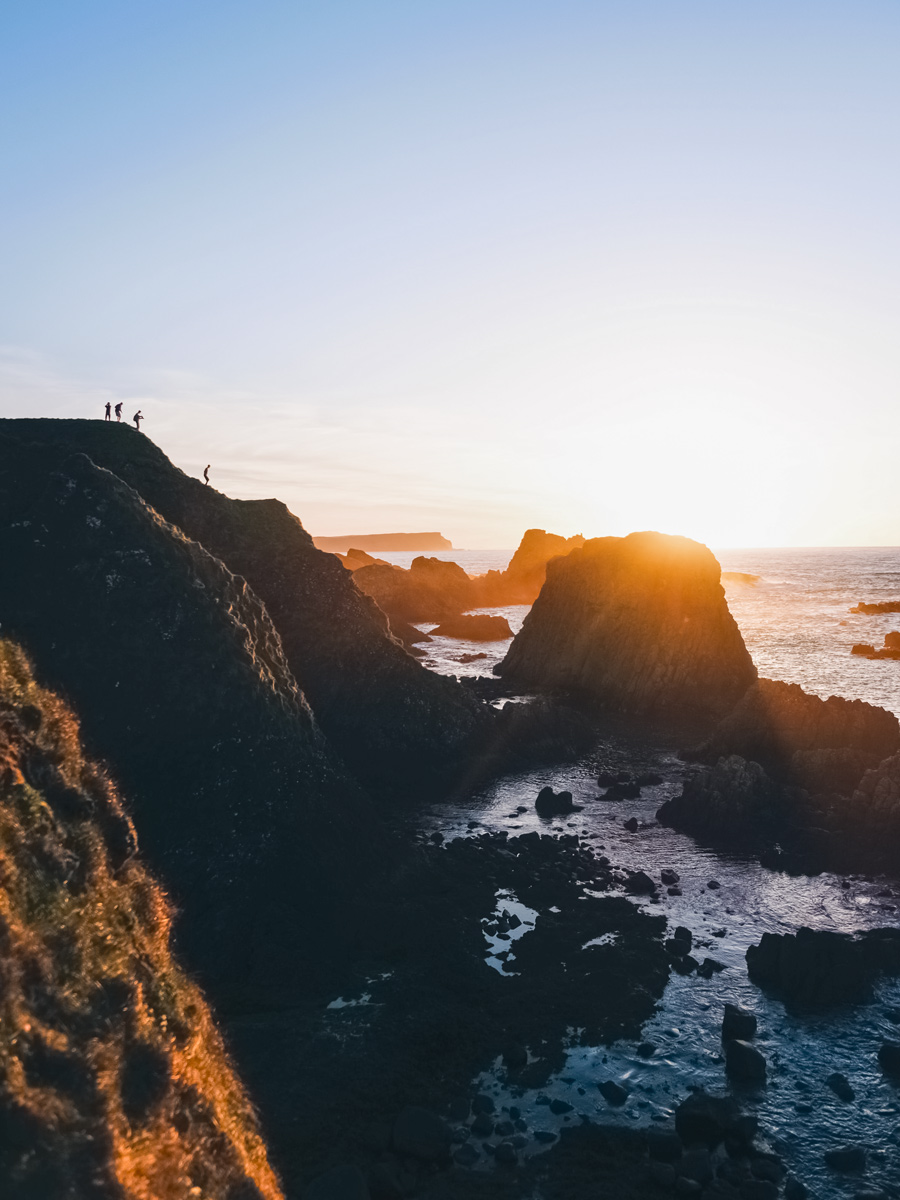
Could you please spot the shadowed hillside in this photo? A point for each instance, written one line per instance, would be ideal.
(391, 720)
(181, 682)
(114, 1083)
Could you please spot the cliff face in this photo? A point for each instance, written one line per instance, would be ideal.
(114, 1082)
(182, 683)
(391, 720)
(636, 624)
(523, 579)
(820, 745)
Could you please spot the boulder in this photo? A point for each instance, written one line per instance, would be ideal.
(474, 627)
(391, 720)
(801, 739)
(612, 1092)
(638, 625)
(431, 590)
(840, 1085)
(421, 1134)
(112, 1055)
(738, 1022)
(889, 1058)
(812, 969)
(709, 1120)
(551, 804)
(744, 1062)
(849, 1160)
(735, 798)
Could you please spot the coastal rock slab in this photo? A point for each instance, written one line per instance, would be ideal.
(636, 624)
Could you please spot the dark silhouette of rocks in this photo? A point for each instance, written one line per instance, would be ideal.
(875, 804)
(474, 627)
(891, 648)
(523, 579)
(733, 798)
(817, 969)
(116, 1084)
(181, 682)
(637, 625)
(430, 590)
(383, 541)
(876, 609)
(354, 559)
(392, 721)
(803, 740)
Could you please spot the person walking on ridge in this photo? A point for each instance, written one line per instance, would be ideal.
(119, 411)
(108, 411)
(137, 418)
(206, 474)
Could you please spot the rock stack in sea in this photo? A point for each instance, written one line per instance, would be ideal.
(115, 1083)
(637, 625)
(523, 579)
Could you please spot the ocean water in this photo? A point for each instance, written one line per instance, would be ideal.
(795, 619)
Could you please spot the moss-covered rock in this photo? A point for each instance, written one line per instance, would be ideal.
(114, 1082)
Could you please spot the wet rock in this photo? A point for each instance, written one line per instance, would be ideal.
(840, 1085)
(340, 1183)
(674, 891)
(639, 883)
(685, 965)
(713, 884)
(848, 1160)
(794, 1189)
(466, 1155)
(710, 967)
(648, 779)
(669, 878)
(631, 825)
(422, 1134)
(474, 627)
(506, 1154)
(504, 1129)
(483, 1125)
(603, 626)
(545, 1136)
(622, 791)
(646, 1050)
(551, 804)
(744, 1062)
(731, 799)
(612, 1092)
(559, 1107)
(738, 1023)
(889, 1058)
(812, 969)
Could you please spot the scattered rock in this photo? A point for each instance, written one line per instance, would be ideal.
(639, 883)
(551, 804)
(889, 1058)
(646, 1050)
(849, 1160)
(612, 1092)
(738, 1023)
(559, 1107)
(709, 1120)
(631, 825)
(840, 1085)
(669, 878)
(744, 1062)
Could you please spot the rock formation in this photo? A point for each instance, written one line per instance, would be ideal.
(392, 721)
(877, 609)
(182, 684)
(874, 806)
(818, 969)
(523, 579)
(637, 625)
(114, 1082)
(384, 541)
(354, 559)
(733, 798)
(475, 627)
(430, 590)
(820, 745)
(891, 648)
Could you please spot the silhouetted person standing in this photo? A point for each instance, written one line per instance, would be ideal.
(206, 473)
(108, 411)
(137, 418)
(119, 411)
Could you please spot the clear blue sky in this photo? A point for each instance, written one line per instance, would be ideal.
(470, 265)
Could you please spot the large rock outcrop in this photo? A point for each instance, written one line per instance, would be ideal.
(733, 799)
(114, 1082)
(820, 745)
(636, 625)
(430, 590)
(390, 719)
(523, 579)
(181, 681)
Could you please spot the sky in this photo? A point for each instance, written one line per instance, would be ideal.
(474, 265)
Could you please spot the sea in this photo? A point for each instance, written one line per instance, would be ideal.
(794, 616)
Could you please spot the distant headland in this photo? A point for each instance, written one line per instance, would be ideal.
(383, 541)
